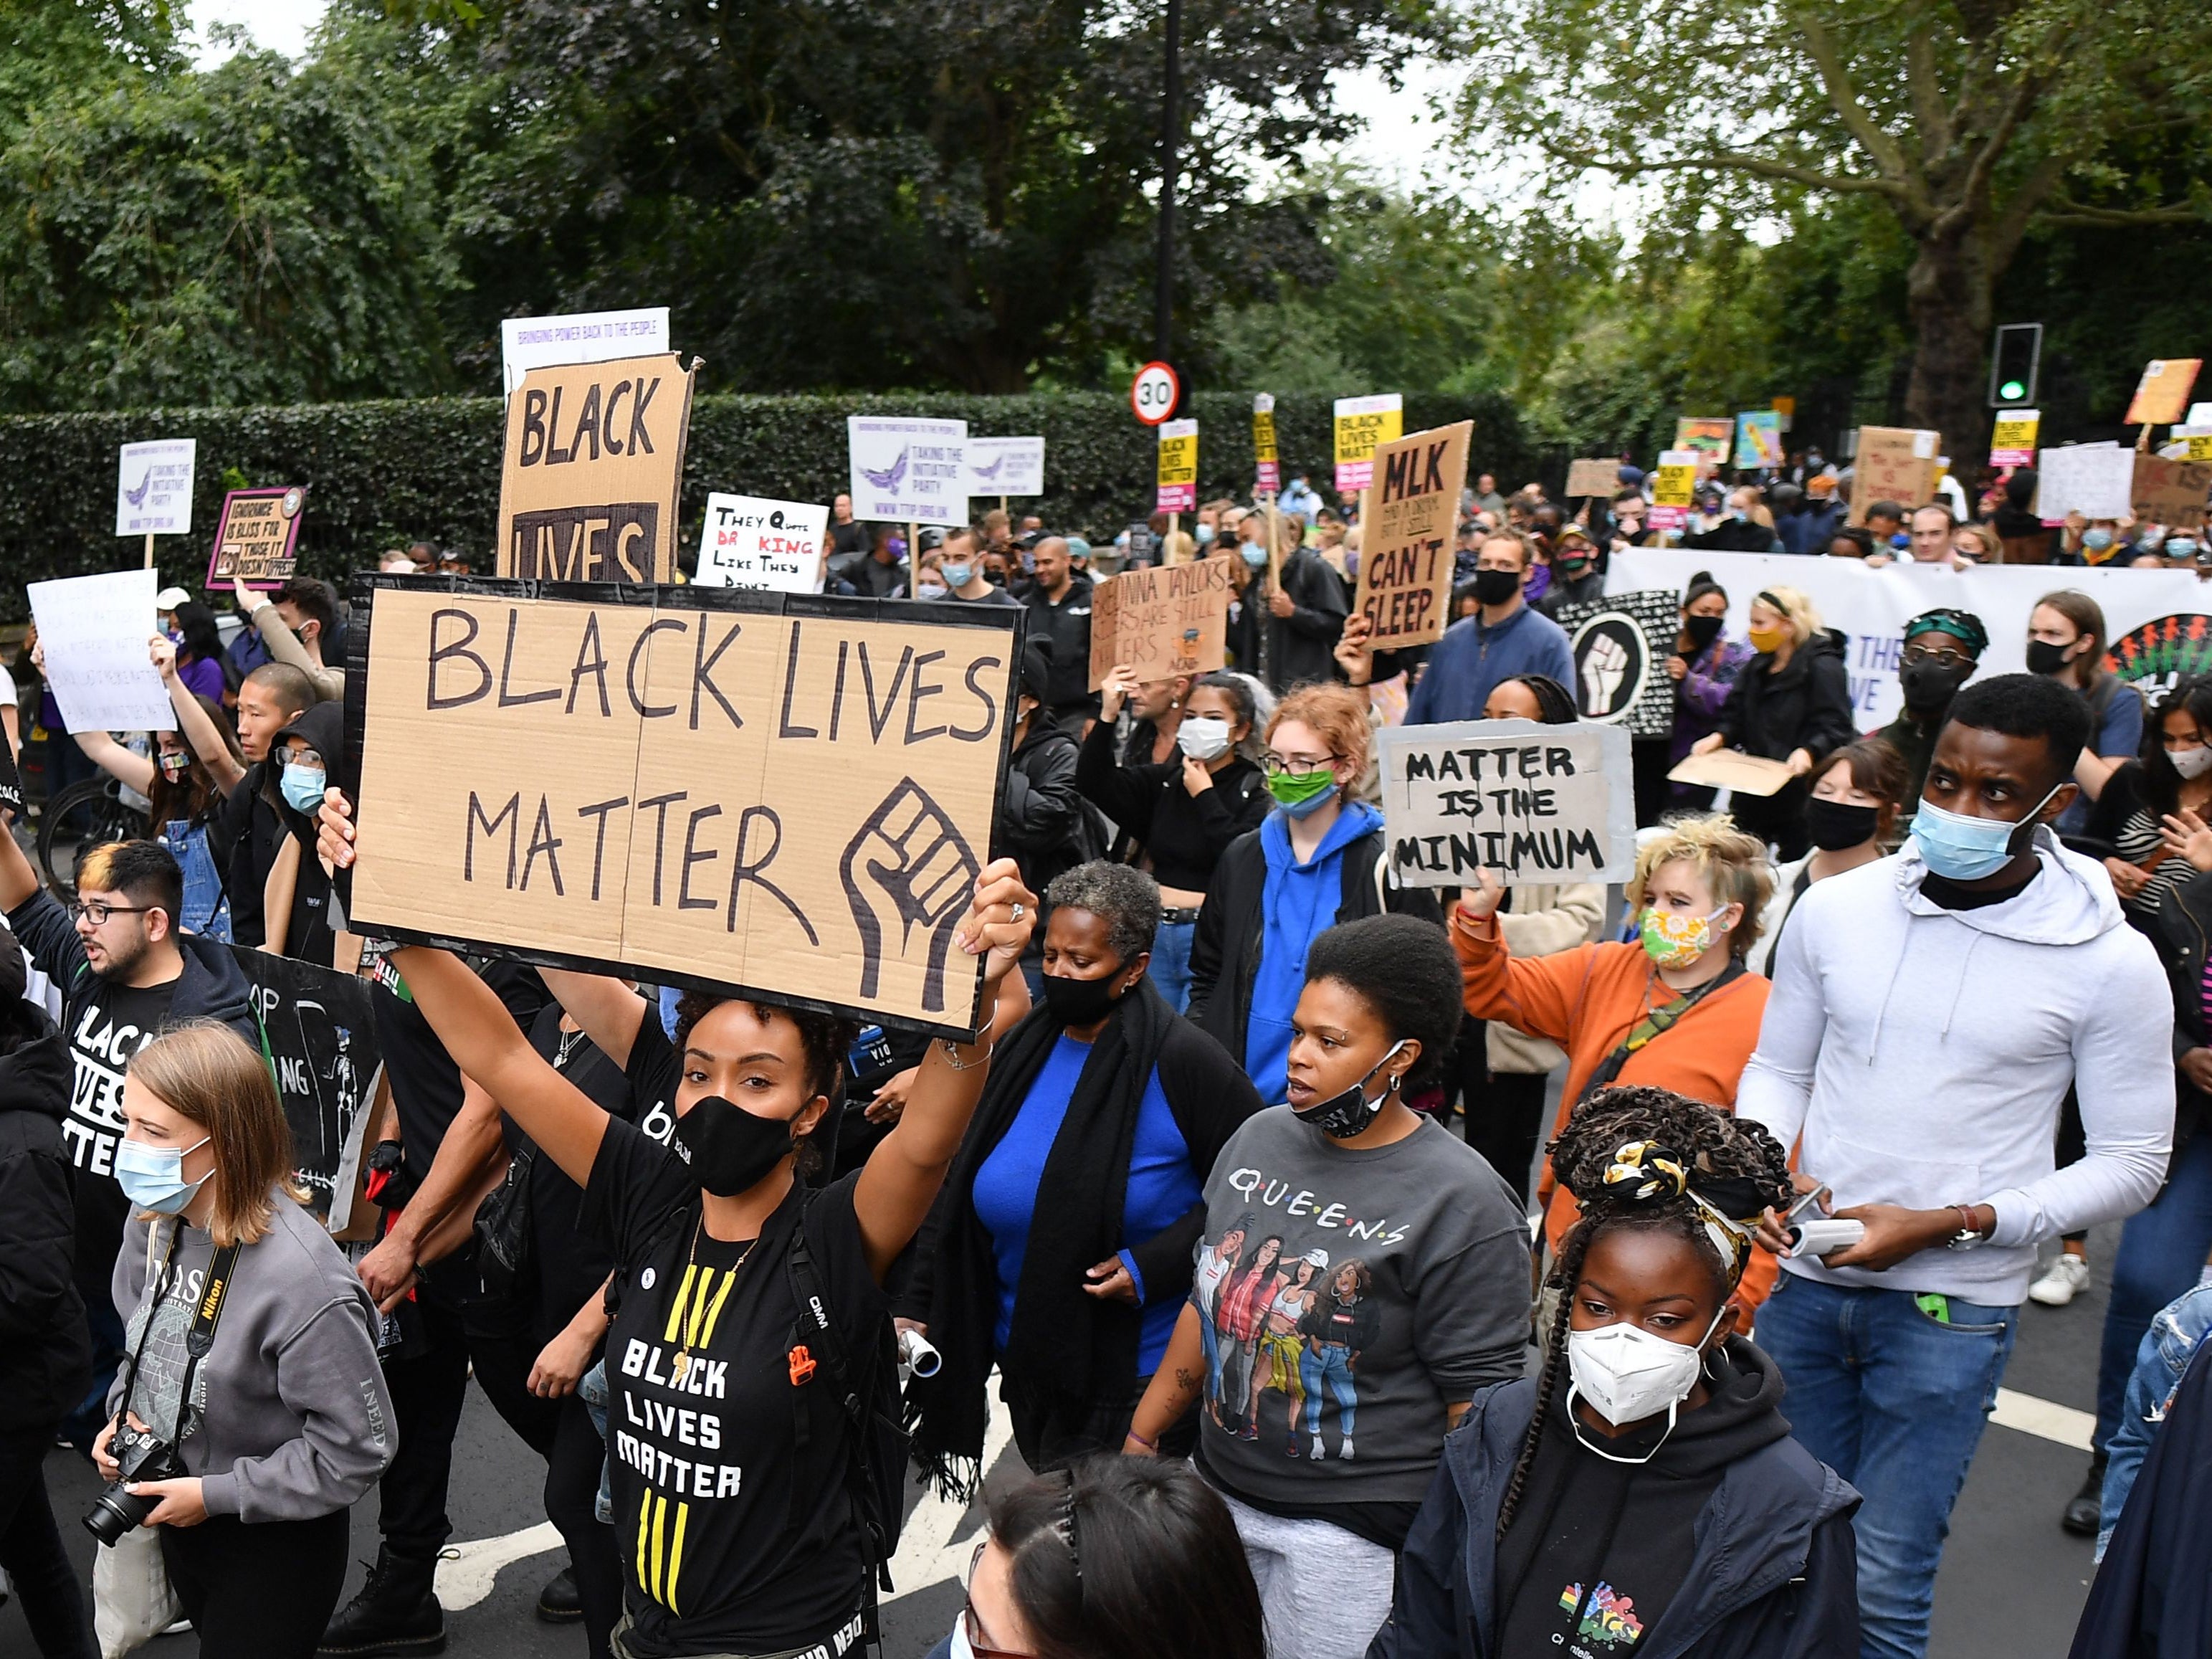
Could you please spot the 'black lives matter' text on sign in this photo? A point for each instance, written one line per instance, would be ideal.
(779, 794)
(1537, 804)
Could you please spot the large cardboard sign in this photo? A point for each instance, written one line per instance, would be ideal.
(594, 461)
(2098, 480)
(750, 542)
(2170, 493)
(1894, 463)
(906, 469)
(1598, 477)
(773, 793)
(586, 337)
(1361, 424)
(1406, 551)
(94, 630)
(257, 538)
(1005, 467)
(1177, 487)
(2163, 391)
(321, 1035)
(1164, 622)
(1537, 804)
(154, 487)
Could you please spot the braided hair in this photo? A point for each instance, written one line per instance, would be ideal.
(1643, 1157)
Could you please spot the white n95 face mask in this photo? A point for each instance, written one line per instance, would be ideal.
(1630, 1374)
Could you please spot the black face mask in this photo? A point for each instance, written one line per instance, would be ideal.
(2044, 657)
(1081, 1001)
(1343, 1116)
(1930, 686)
(728, 1148)
(1496, 586)
(1703, 631)
(1835, 824)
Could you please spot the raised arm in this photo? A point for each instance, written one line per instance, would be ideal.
(193, 725)
(610, 1012)
(126, 766)
(902, 1174)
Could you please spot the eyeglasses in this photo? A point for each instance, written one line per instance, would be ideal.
(974, 1625)
(1296, 766)
(1940, 658)
(97, 911)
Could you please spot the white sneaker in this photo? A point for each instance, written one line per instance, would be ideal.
(2066, 1277)
(1319, 1450)
(1345, 1451)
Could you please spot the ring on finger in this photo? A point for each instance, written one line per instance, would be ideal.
(1018, 912)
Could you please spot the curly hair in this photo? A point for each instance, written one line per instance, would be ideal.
(823, 1039)
(1732, 864)
(1404, 969)
(1733, 1165)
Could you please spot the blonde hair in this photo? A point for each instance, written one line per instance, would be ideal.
(1729, 861)
(205, 1071)
(1796, 607)
(1179, 547)
(1336, 714)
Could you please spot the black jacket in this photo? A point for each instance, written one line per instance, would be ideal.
(1733, 535)
(1805, 705)
(2183, 933)
(46, 1359)
(212, 987)
(1224, 952)
(1302, 647)
(1184, 833)
(1773, 1572)
(1067, 625)
(1040, 825)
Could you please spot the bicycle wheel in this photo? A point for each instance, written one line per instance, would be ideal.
(88, 814)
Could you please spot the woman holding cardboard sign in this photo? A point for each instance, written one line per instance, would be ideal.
(754, 1401)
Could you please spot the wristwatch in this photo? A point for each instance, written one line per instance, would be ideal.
(1969, 1237)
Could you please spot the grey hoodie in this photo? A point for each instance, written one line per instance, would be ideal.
(290, 1419)
(1922, 1054)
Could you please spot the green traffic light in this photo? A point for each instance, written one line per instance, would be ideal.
(2011, 389)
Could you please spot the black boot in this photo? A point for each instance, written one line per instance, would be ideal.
(396, 1612)
(2085, 1509)
(558, 1603)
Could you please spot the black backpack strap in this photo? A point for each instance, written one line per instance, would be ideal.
(1659, 1021)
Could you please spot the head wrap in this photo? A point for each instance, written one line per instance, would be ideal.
(1645, 1172)
(1963, 626)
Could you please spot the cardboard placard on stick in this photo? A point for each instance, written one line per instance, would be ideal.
(1731, 769)
(594, 459)
(154, 487)
(1535, 803)
(1597, 477)
(2170, 493)
(760, 793)
(1406, 548)
(1267, 471)
(257, 538)
(1894, 463)
(2163, 393)
(1164, 622)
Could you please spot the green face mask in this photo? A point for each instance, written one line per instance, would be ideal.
(1300, 794)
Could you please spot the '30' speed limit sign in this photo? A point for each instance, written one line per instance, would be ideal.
(1154, 393)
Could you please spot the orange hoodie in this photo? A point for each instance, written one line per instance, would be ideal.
(1586, 1001)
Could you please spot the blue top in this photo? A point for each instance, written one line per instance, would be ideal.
(1301, 903)
(1471, 659)
(1163, 1189)
(2118, 735)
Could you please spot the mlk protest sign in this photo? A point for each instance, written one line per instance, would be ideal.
(257, 538)
(1406, 551)
(748, 541)
(593, 461)
(781, 794)
(94, 630)
(1164, 622)
(1535, 803)
(907, 470)
(319, 1030)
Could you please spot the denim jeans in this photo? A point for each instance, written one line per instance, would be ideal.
(1170, 967)
(2167, 1348)
(1328, 1363)
(1894, 1401)
(2162, 1250)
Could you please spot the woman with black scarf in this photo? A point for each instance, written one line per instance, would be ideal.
(1062, 1243)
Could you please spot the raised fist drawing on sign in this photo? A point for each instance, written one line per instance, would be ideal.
(907, 866)
(1604, 667)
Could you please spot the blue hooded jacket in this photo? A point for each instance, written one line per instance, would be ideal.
(1301, 905)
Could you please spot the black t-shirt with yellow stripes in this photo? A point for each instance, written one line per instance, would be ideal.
(725, 1450)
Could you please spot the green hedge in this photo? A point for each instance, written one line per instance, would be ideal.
(385, 473)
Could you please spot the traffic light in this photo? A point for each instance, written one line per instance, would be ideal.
(2013, 365)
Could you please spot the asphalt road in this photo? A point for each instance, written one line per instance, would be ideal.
(2011, 1588)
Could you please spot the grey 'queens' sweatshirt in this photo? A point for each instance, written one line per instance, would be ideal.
(289, 1417)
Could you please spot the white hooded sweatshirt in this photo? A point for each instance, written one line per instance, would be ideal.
(1922, 1054)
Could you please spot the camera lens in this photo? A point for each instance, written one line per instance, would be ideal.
(116, 1511)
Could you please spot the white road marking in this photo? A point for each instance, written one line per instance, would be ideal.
(926, 1555)
(466, 1571)
(2045, 1418)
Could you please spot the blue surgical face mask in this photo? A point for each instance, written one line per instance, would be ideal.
(957, 575)
(303, 786)
(153, 1178)
(1962, 849)
(2096, 540)
(1204, 534)
(1255, 554)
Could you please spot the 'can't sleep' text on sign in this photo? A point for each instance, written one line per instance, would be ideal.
(1536, 804)
(747, 790)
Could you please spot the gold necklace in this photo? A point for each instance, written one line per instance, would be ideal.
(681, 1365)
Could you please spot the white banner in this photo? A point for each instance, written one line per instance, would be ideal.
(583, 336)
(751, 541)
(2160, 620)
(154, 487)
(94, 630)
(1005, 467)
(906, 469)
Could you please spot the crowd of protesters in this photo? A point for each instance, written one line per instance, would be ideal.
(1319, 1329)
